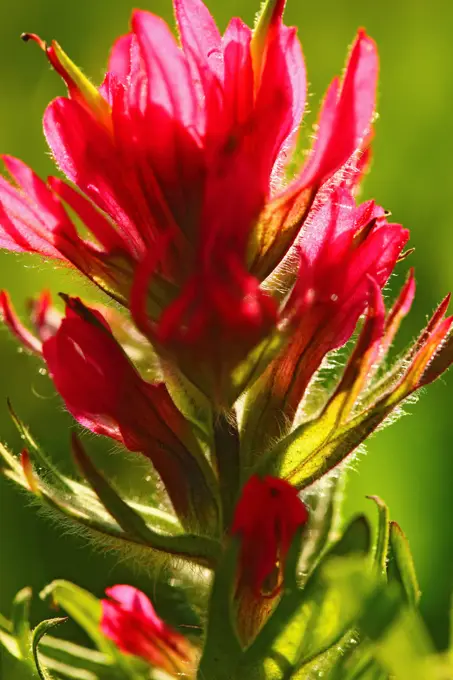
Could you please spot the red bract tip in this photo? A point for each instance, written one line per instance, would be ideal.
(267, 517)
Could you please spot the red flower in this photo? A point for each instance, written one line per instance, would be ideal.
(129, 619)
(267, 517)
(341, 248)
(179, 157)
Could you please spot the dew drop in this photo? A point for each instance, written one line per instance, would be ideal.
(42, 371)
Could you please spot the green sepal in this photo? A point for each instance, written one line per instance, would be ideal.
(39, 632)
(401, 567)
(222, 650)
(198, 548)
(381, 547)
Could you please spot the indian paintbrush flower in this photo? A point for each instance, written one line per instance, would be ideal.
(131, 622)
(235, 283)
(267, 516)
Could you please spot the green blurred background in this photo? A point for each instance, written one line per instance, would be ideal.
(409, 464)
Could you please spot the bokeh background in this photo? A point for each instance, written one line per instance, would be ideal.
(409, 464)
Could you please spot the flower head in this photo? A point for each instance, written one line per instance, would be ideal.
(267, 517)
(130, 621)
(178, 159)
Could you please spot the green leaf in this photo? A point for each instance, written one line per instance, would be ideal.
(72, 672)
(199, 548)
(222, 649)
(381, 547)
(84, 608)
(324, 520)
(399, 640)
(73, 660)
(316, 447)
(20, 619)
(10, 644)
(39, 632)
(193, 404)
(357, 663)
(401, 565)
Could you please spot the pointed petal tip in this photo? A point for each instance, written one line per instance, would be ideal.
(26, 37)
(363, 37)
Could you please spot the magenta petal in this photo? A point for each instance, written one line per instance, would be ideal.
(239, 83)
(345, 121)
(120, 57)
(171, 86)
(133, 600)
(200, 37)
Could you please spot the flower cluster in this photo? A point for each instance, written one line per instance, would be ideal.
(234, 280)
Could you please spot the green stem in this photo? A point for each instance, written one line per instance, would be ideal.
(226, 458)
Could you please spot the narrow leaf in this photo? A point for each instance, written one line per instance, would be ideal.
(401, 565)
(56, 651)
(10, 644)
(382, 539)
(21, 621)
(84, 608)
(198, 548)
(39, 632)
